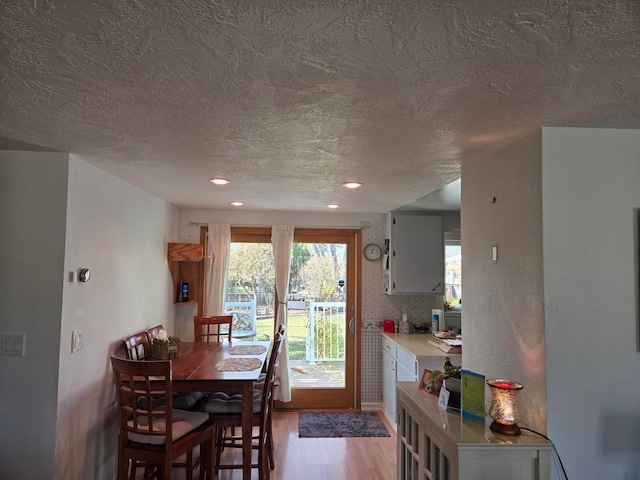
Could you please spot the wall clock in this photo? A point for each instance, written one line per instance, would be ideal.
(372, 252)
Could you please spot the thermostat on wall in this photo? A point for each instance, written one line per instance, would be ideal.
(84, 274)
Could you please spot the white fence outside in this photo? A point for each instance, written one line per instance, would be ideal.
(326, 337)
(326, 332)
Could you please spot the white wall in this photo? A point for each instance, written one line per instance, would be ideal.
(503, 311)
(33, 204)
(60, 214)
(591, 186)
(120, 232)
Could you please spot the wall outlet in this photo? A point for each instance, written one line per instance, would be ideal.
(76, 341)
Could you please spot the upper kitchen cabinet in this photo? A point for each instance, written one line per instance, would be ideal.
(414, 254)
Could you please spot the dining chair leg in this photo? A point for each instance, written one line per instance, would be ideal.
(189, 462)
(218, 447)
(123, 467)
(209, 457)
(270, 446)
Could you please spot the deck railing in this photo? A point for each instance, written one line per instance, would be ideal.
(326, 337)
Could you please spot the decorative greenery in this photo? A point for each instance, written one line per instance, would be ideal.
(451, 371)
(163, 346)
(171, 340)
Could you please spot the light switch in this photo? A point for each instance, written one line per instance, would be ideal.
(494, 253)
(13, 344)
(76, 340)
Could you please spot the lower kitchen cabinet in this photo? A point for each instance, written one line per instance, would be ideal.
(404, 358)
(438, 445)
(389, 384)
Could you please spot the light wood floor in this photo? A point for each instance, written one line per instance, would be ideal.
(370, 458)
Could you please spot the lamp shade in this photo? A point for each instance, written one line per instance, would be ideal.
(504, 405)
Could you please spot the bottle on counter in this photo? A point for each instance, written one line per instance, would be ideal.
(404, 323)
(436, 317)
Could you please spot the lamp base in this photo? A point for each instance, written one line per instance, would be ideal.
(505, 429)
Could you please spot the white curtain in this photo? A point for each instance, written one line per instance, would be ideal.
(219, 236)
(282, 241)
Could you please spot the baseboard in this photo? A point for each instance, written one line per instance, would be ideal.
(392, 421)
(371, 406)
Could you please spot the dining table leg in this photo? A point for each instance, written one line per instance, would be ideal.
(247, 413)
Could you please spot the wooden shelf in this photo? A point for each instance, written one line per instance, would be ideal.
(185, 252)
(185, 265)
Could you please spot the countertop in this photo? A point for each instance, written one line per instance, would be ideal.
(418, 344)
(464, 432)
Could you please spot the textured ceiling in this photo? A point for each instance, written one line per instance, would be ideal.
(289, 99)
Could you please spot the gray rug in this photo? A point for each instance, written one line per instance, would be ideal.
(341, 424)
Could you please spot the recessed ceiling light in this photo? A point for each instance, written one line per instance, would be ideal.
(237, 204)
(333, 205)
(352, 184)
(219, 181)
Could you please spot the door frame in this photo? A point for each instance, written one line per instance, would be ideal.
(314, 235)
(325, 398)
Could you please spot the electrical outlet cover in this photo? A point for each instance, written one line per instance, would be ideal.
(76, 340)
(13, 344)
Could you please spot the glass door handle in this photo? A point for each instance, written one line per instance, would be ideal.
(352, 325)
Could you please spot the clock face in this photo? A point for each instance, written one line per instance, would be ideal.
(372, 252)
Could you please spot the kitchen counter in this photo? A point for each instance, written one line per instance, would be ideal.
(418, 344)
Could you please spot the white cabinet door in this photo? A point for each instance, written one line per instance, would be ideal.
(389, 386)
(416, 254)
(406, 366)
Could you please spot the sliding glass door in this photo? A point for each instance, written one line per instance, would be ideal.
(322, 309)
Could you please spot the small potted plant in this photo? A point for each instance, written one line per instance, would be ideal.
(165, 346)
(452, 382)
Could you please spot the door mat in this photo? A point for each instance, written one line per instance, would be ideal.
(341, 424)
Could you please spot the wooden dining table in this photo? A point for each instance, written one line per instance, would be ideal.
(195, 370)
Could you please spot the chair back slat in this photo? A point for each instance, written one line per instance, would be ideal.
(208, 328)
(137, 346)
(138, 386)
(272, 366)
(154, 331)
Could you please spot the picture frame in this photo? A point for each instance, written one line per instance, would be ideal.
(431, 382)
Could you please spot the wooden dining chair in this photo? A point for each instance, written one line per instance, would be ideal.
(153, 332)
(155, 437)
(209, 328)
(138, 347)
(226, 414)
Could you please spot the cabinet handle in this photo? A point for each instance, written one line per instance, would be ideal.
(434, 288)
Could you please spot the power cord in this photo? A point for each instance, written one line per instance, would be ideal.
(564, 473)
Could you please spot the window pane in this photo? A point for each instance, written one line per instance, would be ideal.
(251, 287)
(316, 313)
(453, 277)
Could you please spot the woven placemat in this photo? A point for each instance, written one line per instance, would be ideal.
(238, 364)
(247, 350)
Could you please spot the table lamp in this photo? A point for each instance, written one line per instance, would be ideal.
(504, 406)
